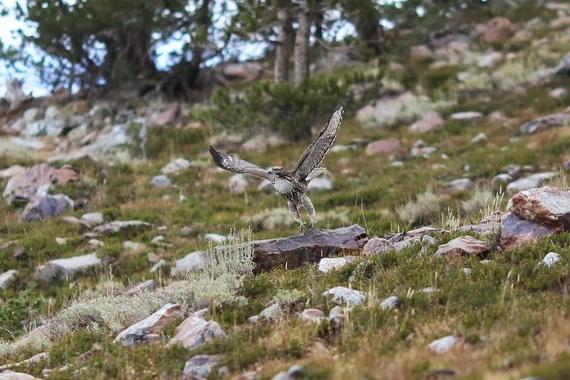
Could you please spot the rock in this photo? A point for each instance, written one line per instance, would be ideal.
(37, 180)
(312, 315)
(92, 219)
(429, 121)
(469, 117)
(216, 238)
(311, 246)
(549, 205)
(332, 263)
(60, 269)
(490, 60)
(550, 259)
(545, 122)
(563, 67)
(320, 183)
(429, 290)
(516, 231)
(497, 30)
(463, 246)
(481, 137)
(11, 375)
(38, 358)
(262, 142)
(558, 93)
(7, 278)
(140, 288)
(295, 372)
(60, 241)
(376, 246)
(242, 72)
(159, 264)
(403, 240)
(14, 93)
(12, 171)
(194, 331)
(133, 246)
(123, 227)
(341, 294)
(461, 184)
(150, 326)
(530, 182)
(164, 115)
(383, 147)
(176, 166)
(47, 207)
(95, 244)
(238, 183)
(499, 182)
(420, 148)
(160, 181)
(199, 367)
(389, 110)
(389, 303)
(271, 313)
(420, 53)
(443, 345)
(190, 263)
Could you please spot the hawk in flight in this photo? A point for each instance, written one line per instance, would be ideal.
(291, 185)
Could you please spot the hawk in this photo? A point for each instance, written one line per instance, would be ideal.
(291, 185)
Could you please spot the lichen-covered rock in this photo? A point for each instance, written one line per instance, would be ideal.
(47, 207)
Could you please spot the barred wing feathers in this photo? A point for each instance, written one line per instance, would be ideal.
(237, 165)
(316, 152)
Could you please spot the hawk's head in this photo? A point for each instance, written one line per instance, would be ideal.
(280, 172)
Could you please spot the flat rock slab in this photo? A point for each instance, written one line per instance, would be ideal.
(118, 226)
(463, 246)
(61, 268)
(152, 325)
(311, 246)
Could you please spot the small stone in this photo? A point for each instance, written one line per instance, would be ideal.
(7, 278)
(530, 182)
(383, 147)
(328, 264)
(94, 243)
(153, 324)
(312, 315)
(550, 259)
(490, 60)
(47, 207)
(158, 239)
(159, 264)
(479, 138)
(216, 238)
(160, 181)
(389, 303)
(429, 290)
(238, 183)
(469, 117)
(429, 121)
(133, 246)
(199, 367)
(295, 372)
(176, 166)
(62, 268)
(461, 184)
(377, 246)
(60, 241)
(467, 271)
(123, 227)
(92, 219)
(195, 331)
(443, 345)
(341, 294)
(190, 263)
(461, 246)
(558, 93)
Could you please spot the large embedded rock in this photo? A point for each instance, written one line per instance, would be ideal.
(25, 186)
(199, 367)
(516, 231)
(195, 331)
(311, 246)
(549, 205)
(62, 268)
(123, 227)
(47, 207)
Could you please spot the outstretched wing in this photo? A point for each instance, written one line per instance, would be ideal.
(237, 165)
(319, 147)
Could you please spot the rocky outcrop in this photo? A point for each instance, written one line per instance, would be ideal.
(311, 246)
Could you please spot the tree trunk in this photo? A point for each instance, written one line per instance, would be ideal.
(301, 58)
(283, 50)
